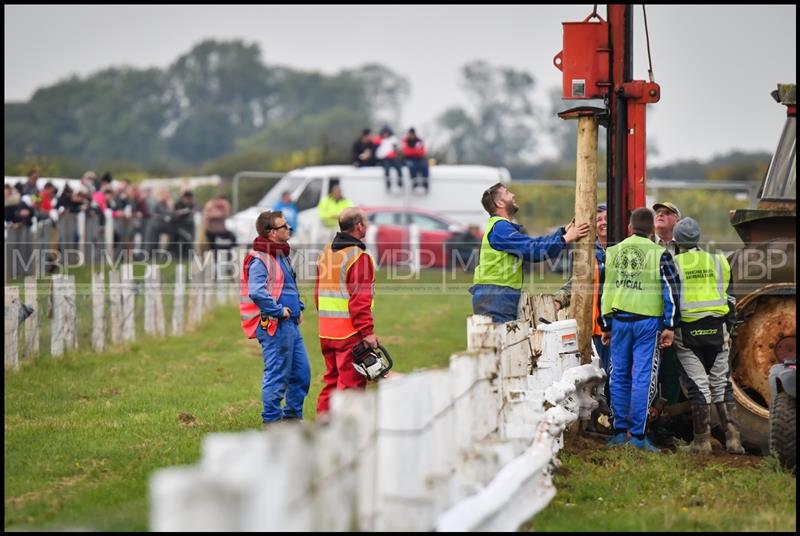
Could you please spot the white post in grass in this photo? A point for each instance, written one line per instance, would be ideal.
(11, 327)
(31, 348)
(98, 311)
(149, 303)
(177, 301)
(115, 297)
(158, 302)
(72, 313)
(128, 304)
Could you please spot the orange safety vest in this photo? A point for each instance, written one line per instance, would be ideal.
(333, 298)
(249, 312)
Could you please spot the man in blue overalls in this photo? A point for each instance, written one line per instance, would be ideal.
(639, 311)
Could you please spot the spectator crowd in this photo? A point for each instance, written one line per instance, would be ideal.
(144, 221)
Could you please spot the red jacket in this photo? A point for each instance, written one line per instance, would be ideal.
(417, 151)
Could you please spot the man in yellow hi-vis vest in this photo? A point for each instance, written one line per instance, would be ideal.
(498, 276)
(344, 297)
(701, 342)
(639, 311)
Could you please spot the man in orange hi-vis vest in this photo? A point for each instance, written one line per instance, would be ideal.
(344, 298)
(271, 311)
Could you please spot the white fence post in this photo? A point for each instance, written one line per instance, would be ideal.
(470, 447)
(11, 330)
(31, 348)
(195, 290)
(128, 304)
(115, 299)
(98, 311)
(208, 282)
(149, 303)
(177, 300)
(158, 301)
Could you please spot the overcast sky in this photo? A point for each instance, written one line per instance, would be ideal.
(716, 64)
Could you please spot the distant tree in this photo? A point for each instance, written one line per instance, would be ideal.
(217, 92)
(213, 100)
(500, 128)
(384, 90)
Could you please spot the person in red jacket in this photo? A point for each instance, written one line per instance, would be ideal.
(344, 298)
(414, 154)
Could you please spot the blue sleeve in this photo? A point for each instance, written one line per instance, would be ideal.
(505, 237)
(601, 269)
(256, 289)
(670, 289)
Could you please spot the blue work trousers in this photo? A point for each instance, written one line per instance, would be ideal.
(287, 374)
(634, 372)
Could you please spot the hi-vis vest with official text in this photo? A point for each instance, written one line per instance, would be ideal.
(333, 296)
(633, 278)
(704, 284)
(497, 267)
(248, 310)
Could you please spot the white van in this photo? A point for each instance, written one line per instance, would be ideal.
(455, 192)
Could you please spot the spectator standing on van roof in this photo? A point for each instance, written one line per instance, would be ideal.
(364, 150)
(498, 276)
(414, 155)
(288, 208)
(271, 311)
(388, 156)
(332, 205)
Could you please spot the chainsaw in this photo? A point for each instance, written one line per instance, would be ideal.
(371, 363)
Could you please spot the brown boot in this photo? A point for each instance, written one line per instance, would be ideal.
(728, 419)
(701, 423)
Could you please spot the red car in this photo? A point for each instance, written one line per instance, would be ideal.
(438, 236)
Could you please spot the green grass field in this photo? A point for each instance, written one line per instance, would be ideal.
(84, 432)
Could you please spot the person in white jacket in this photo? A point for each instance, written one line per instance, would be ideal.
(387, 155)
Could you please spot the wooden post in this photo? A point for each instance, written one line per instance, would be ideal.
(177, 301)
(98, 312)
(583, 260)
(31, 348)
(12, 327)
(115, 297)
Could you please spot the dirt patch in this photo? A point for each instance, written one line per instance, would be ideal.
(587, 444)
(187, 419)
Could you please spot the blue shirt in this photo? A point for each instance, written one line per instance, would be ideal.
(289, 212)
(256, 288)
(501, 302)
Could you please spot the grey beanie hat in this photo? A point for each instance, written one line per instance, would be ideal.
(686, 232)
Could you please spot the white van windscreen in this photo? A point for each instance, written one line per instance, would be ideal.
(310, 196)
(274, 194)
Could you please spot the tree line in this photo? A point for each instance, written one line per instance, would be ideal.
(221, 109)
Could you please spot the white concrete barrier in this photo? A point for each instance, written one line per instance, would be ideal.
(470, 447)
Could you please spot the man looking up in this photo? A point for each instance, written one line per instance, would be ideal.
(498, 276)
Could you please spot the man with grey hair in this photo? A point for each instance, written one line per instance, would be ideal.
(701, 342)
(344, 297)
